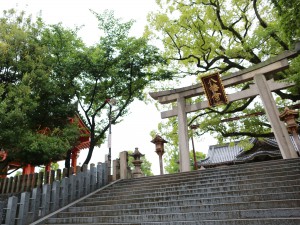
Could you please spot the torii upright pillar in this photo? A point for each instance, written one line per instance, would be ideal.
(278, 127)
(184, 156)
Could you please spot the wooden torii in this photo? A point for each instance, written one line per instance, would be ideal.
(262, 74)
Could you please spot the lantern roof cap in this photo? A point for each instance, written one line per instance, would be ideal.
(158, 139)
(288, 112)
(136, 153)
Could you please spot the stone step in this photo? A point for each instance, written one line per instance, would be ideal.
(229, 169)
(132, 183)
(160, 209)
(229, 186)
(262, 193)
(198, 192)
(286, 203)
(239, 179)
(260, 221)
(199, 198)
(186, 216)
(208, 184)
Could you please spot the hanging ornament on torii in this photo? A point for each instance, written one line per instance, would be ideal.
(214, 89)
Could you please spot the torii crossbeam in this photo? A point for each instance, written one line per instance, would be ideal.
(262, 74)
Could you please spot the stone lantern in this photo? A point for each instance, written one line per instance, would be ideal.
(137, 172)
(289, 116)
(159, 149)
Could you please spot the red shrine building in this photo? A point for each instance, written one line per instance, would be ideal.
(84, 142)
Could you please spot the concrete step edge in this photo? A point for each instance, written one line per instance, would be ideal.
(231, 167)
(297, 194)
(202, 222)
(195, 213)
(185, 202)
(276, 190)
(198, 206)
(194, 186)
(133, 183)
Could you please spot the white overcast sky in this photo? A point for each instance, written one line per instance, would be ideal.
(77, 12)
(134, 130)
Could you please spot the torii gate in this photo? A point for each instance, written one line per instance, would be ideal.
(262, 74)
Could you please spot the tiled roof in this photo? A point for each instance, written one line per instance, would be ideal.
(272, 141)
(83, 145)
(294, 143)
(249, 157)
(221, 154)
(227, 154)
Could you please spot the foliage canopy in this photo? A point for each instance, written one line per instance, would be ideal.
(47, 72)
(35, 97)
(118, 67)
(205, 36)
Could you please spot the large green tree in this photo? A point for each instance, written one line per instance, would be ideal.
(205, 36)
(36, 65)
(118, 67)
(288, 16)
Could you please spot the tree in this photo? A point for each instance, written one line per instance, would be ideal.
(118, 67)
(227, 35)
(288, 15)
(36, 95)
(172, 158)
(145, 167)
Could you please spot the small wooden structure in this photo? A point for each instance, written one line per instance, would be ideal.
(289, 116)
(160, 150)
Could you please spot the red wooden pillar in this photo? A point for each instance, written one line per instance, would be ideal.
(28, 169)
(48, 167)
(74, 157)
(4, 175)
(3, 155)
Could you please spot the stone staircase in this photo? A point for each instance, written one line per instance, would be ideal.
(257, 194)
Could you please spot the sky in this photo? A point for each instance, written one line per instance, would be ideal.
(134, 131)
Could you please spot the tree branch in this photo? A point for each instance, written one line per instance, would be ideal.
(254, 58)
(283, 95)
(265, 25)
(178, 49)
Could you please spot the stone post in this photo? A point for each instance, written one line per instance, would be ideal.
(99, 175)
(116, 169)
(108, 168)
(11, 210)
(123, 164)
(23, 208)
